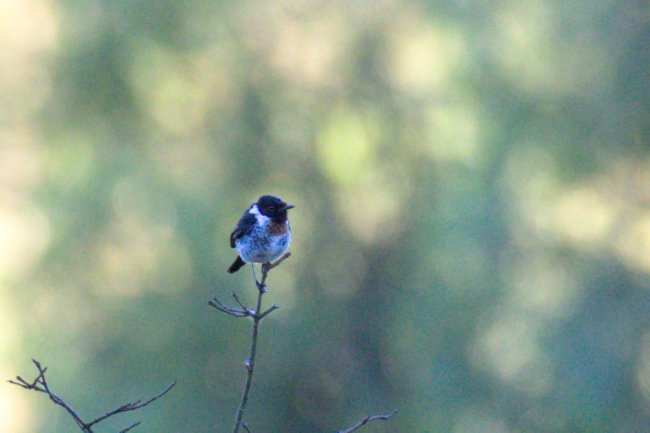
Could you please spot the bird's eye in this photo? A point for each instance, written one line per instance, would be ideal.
(271, 208)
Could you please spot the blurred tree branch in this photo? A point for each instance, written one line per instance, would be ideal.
(40, 384)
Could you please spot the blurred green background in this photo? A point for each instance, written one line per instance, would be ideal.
(472, 222)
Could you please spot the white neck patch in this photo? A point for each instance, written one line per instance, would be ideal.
(261, 219)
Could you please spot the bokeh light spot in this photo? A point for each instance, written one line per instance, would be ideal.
(633, 244)
(454, 132)
(509, 349)
(584, 216)
(424, 55)
(24, 237)
(345, 147)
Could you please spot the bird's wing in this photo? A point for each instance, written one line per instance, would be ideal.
(244, 226)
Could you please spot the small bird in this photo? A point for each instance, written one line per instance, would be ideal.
(262, 234)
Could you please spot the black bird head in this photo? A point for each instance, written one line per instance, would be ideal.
(273, 207)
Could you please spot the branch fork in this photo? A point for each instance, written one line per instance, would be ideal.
(40, 384)
(257, 315)
(249, 364)
(243, 310)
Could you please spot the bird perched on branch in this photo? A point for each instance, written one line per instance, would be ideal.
(262, 234)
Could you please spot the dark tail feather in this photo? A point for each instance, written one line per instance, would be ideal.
(236, 265)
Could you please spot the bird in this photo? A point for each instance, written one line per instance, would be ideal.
(262, 233)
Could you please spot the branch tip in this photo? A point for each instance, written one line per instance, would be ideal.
(131, 427)
(368, 419)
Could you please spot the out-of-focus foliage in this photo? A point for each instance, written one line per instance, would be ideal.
(472, 222)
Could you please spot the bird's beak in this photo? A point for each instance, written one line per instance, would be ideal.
(288, 206)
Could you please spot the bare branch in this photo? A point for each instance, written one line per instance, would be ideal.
(40, 385)
(250, 366)
(132, 406)
(243, 307)
(274, 264)
(270, 310)
(257, 317)
(235, 312)
(130, 427)
(368, 419)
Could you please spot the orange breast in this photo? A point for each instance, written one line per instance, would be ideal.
(276, 228)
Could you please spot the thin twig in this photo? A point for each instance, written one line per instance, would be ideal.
(368, 419)
(245, 311)
(132, 406)
(131, 426)
(235, 312)
(250, 362)
(243, 307)
(40, 385)
(270, 310)
(265, 270)
(257, 317)
(250, 366)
